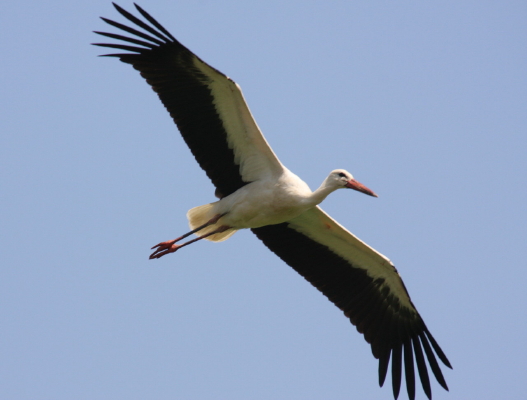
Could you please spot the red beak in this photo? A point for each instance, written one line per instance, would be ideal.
(353, 184)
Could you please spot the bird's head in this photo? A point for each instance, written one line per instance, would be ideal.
(343, 179)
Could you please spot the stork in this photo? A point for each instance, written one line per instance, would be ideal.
(256, 191)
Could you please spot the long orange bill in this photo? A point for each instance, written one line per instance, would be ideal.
(353, 184)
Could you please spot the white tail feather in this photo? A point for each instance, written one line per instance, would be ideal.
(200, 215)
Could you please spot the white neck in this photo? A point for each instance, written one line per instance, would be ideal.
(321, 193)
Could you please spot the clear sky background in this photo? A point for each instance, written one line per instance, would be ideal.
(424, 102)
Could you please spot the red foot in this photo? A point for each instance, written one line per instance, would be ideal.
(163, 248)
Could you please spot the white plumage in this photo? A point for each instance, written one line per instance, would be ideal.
(257, 192)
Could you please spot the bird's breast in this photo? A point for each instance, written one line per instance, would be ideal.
(264, 203)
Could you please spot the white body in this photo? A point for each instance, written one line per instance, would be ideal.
(268, 201)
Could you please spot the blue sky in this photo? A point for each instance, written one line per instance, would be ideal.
(424, 102)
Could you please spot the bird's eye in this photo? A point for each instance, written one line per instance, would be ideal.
(342, 174)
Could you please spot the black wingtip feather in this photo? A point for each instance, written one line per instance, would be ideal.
(140, 23)
(437, 349)
(126, 39)
(396, 370)
(409, 369)
(133, 31)
(154, 22)
(384, 360)
(421, 367)
(386, 341)
(433, 362)
(112, 55)
(122, 47)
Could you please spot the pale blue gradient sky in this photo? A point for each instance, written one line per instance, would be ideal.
(424, 102)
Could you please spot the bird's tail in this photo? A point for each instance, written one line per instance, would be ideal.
(198, 216)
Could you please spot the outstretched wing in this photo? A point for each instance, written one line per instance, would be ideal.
(366, 287)
(207, 106)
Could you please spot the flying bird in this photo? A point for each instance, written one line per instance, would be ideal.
(256, 191)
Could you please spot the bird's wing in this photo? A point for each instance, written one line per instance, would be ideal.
(365, 285)
(207, 106)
